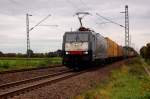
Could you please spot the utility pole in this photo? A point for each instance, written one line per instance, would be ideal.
(28, 37)
(130, 41)
(127, 38)
(28, 29)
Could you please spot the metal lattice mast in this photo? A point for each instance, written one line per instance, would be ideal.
(28, 38)
(127, 39)
(29, 29)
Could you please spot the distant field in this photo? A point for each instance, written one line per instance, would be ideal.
(22, 63)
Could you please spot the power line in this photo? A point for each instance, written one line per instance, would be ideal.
(14, 2)
(40, 22)
(85, 4)
(109, 20)
(127, 36)
(73, 5)
(102, 23)
(49, 25)
(29, 29)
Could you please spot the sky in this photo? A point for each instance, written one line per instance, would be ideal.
(49, 38)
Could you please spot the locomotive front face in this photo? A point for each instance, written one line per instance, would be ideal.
(76, 47)
(76, 42)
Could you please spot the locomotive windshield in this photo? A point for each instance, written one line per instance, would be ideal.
(76, 37)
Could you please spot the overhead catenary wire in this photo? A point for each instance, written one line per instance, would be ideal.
(40, 22)
(14, 2)
(91, 8)
(29, 29)
(13, 5)
(109, 20)
(102, 23)
(85, 4)
(49, 25)
(73, 5)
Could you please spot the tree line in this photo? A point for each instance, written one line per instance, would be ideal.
(145, 51)
(57, 53)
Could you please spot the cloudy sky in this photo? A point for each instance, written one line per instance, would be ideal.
(44, 39)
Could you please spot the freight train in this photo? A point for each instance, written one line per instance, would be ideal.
(85, 46)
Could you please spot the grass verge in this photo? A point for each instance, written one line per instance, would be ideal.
(128, 82)
(21, 63)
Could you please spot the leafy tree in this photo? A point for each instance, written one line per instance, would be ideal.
(143, 51)
(148, 51)
(1, 54)
(59, 52)
(40, 55)
(30, 53)
(10, 55)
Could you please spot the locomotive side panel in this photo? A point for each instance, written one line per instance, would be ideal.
(99, 47)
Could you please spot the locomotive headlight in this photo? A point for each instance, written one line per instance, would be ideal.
(86, 52)
(67, 53)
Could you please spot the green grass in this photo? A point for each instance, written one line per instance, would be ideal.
(148, 62)
(128, 82)
(21, 63)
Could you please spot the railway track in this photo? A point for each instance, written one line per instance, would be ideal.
(15, 88)
(30, 69)
(28, 74)
(20, 87)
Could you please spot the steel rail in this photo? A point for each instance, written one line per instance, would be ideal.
(30, 69)
(16, 88)
(17, 83)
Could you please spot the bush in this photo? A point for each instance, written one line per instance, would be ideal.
(4, 65)
(134, 61)
(145, 51)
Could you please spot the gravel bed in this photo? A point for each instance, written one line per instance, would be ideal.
(10, 77)
(73, 86)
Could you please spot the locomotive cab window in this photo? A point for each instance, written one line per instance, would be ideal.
(77, 37)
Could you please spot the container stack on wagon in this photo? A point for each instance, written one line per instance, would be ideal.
(114, 51)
